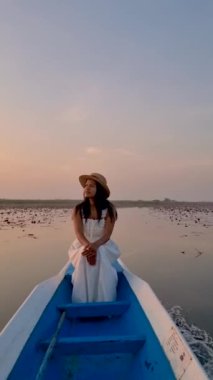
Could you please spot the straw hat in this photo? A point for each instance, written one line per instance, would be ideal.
(95, 177)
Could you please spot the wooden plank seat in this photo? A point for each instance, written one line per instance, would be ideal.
(94, 309)
(93, 345)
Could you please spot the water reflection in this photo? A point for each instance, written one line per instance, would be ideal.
(166, 248)
(169, 258)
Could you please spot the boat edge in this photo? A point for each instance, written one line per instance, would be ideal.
(163, 326)
(18, 329)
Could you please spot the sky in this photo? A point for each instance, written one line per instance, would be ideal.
(123, 88)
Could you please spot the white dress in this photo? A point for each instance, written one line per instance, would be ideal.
(92, 283)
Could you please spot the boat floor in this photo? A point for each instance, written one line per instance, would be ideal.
(106, 341)
(81, 367)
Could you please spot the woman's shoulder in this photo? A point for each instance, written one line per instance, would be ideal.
(111, 210)
(110, 204)
(76, 211)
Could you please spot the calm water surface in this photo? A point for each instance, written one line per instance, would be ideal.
(171, 250)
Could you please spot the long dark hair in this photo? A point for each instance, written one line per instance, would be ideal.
(101, 203)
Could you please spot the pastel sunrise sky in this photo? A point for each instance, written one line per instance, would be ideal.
(124, 88)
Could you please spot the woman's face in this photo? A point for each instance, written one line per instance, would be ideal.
(90, 189)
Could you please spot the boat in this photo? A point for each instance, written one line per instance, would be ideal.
(49, 337)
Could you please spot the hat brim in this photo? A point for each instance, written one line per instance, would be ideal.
(84, 177)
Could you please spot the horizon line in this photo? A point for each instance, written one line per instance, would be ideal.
(165, 200)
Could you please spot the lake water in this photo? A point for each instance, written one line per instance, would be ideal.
(171, 249)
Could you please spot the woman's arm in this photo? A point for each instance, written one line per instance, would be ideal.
(78, 227)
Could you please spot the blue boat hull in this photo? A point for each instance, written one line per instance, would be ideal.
(94, 341)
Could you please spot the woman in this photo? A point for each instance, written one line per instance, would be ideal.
(93, 253)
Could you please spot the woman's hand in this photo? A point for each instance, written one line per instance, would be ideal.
(89, 250)
(90, 253)
(92, 259)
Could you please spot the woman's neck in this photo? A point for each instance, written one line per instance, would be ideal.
(93, 210)
(92, 202)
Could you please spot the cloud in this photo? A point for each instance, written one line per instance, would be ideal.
(92, 150)
(127, 153)
(113, 153)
